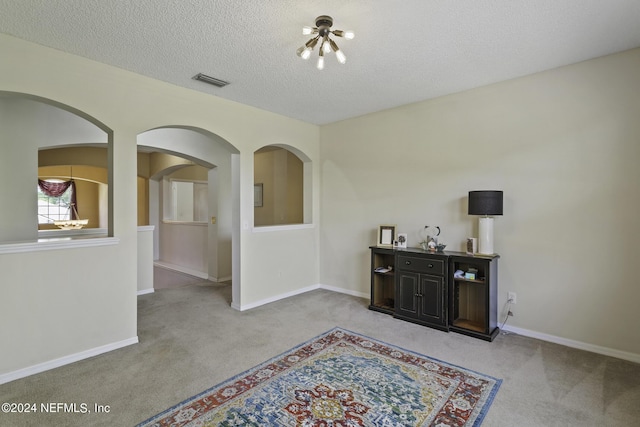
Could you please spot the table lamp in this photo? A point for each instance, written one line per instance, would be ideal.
(485, 203)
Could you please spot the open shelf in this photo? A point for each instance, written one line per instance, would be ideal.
(390, 273)
(473, 304)
(388, 308)
(383, 289)
(480, 282)
(469, 324)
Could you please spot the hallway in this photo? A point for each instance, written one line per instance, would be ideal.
(164, 278)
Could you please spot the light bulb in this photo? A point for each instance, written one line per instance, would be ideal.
(326, 47)
(346, 34)
(307, 30)
(339, 54)
(320, 62)
(305, 51)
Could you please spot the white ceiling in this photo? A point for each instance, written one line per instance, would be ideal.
(404, 51)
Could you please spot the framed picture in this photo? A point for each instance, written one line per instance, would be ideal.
(257, 195)
(401, 241)
(386, 235)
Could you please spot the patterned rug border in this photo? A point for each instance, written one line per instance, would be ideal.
(477, 422)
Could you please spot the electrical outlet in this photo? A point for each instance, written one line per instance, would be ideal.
(511, 297)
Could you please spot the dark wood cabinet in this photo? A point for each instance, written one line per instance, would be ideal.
(473, 305)
(421, 289)
(450, 291)
(383, 280)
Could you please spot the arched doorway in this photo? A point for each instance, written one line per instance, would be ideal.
(175, 150)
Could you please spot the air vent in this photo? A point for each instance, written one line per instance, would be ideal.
(210, 80)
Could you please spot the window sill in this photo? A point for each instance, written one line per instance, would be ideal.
(196, 223)
(269, 228)
(81, 233)
(55, 243)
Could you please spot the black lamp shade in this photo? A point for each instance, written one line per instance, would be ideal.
(487, 202)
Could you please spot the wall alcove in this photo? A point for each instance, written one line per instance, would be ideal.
(33, 129)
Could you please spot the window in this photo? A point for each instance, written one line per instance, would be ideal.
(52, 208)
(189, 201)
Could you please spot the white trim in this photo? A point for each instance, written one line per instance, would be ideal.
(346, 291)
(274, 298)
(72, 233)
(218, 280)
(197, 223)
(66, 360)
(146, 227)
(181, 269)
(54, 244)
(269, 228)
(625, 355)
(146, 291)
(298, 292)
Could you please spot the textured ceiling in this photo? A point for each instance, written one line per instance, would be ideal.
(404, 51)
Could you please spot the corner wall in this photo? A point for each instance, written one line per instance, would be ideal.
(564, 147)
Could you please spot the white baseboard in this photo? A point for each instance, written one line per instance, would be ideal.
(146, 291)
(632, 357)
(606, 351)
(219, 280)
(346, 291)
(274, 298)
(66, 360)
(181, 269)
(298, 292)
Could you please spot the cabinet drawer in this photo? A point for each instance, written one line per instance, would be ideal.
(421, 265)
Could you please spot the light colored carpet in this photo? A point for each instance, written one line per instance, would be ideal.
(191, 339)
(164, 278)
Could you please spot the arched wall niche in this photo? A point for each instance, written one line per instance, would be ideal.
(178, 148)
(282, 186)
(29, 123)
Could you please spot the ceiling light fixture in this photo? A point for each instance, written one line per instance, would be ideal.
(323, 32)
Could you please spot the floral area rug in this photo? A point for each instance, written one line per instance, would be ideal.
(341, 379)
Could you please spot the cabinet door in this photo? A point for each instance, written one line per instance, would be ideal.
(407, 294)
(432, 298)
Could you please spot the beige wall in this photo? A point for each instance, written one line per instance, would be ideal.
(128, 105)
(281, 174)
(190, 173)
(563, 145)
(143, 188)
(143, 200)
(295, 190)
(89, 156)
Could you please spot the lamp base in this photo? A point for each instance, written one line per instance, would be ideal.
(485, 235)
